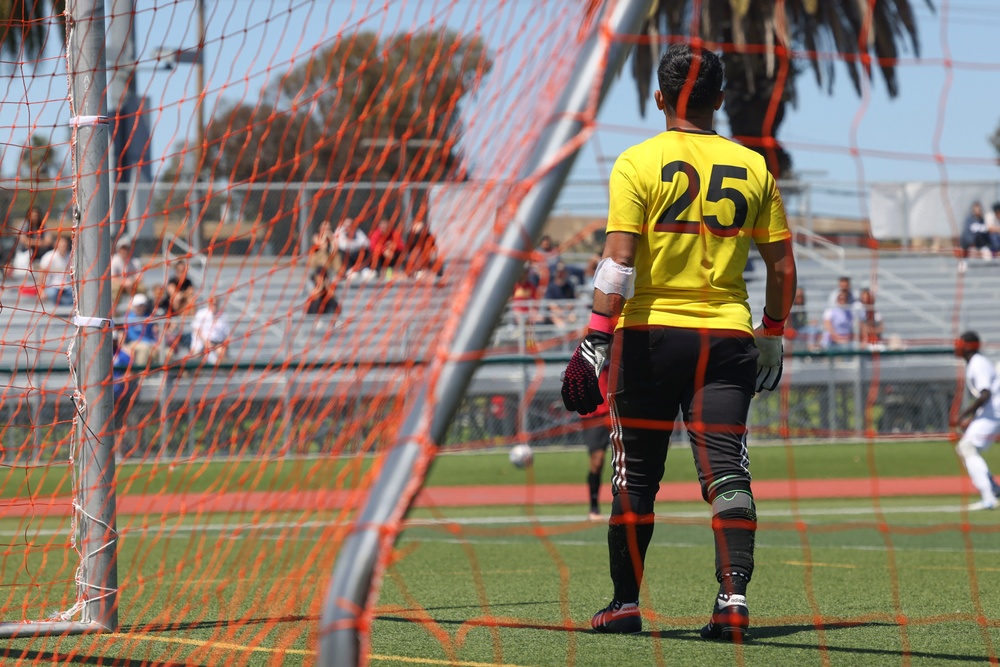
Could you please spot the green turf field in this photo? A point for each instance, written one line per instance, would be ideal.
(906, 581)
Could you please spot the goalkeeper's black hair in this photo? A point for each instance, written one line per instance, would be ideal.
(673, 76)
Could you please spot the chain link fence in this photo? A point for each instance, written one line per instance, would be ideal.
(334, 409)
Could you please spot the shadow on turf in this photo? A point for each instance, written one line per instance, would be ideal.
(757, 633)
(208, 625)
(77, 659)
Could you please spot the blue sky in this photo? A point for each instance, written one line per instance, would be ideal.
(937, 128)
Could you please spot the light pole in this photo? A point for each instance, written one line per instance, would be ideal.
(168, 59)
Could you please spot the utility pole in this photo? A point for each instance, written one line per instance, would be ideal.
(195, 195)
(130, 132)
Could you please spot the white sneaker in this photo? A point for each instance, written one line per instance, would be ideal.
(981, 505)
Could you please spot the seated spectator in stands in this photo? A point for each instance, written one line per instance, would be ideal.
(993, 225)
(869, 320)
(210, 332)
(843, 285)
(560, 289)
(420, 251)
(174, 300)
(121, 388)
(591, 269)
(126, 273)
(33, 236)
(139, 323)
(798, 326)
(524, 298)
(57, 278)
(322, 299)
(975, 238)
(386, 246)
(179, 293)
(323, 251)
(838, 324)
(353, 245)
(548, 250)
(141, 332)
(544, 259)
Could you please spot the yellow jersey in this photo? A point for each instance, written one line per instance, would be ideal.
(696, 200)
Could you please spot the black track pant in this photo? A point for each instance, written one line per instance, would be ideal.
(707, 375)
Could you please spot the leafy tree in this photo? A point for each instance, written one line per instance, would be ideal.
(363, 108)
(36, 160)
(23, 24)
(757, 35)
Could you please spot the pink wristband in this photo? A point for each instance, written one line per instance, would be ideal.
(776, 326)
(602, 323)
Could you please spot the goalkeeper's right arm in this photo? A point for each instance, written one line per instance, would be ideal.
(580, 389)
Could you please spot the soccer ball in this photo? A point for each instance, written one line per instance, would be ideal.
(521, 456)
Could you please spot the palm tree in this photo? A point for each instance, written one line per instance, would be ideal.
(23, 24)
(756, 37)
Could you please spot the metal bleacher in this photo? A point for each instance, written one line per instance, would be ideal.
(924, 298)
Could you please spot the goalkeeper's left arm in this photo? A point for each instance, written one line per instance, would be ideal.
(613, 282)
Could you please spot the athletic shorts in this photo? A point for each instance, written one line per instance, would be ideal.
(709, 375)
(596, 438)
(981, 432)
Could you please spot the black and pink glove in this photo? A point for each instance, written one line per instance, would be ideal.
(581, 391)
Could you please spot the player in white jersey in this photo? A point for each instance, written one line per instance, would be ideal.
(980, 421)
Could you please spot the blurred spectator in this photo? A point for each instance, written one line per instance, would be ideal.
(420, 250)
(120, 362)
(560, 289)
(57, 279)
(179, 293)
(843, 285)
(386, 245)
(141, 334)
(838, 324)
(799, 327)
(126, 273)
(591, 269)
(33, 236)
(869, 320)
(322, 299)
(993, 225)
(524, 297)
(353, 245)
(323, 251)
(548, 250)
(210, 332)
(975, 238)
(544, 258)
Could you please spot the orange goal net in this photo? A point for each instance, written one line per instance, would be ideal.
(217, 323)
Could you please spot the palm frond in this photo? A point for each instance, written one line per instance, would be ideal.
(813, 25)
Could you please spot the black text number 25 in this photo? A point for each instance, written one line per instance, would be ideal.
(670, 221)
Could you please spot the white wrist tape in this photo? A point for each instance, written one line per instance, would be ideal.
(613, 278)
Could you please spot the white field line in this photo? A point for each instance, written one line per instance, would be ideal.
(239, 529)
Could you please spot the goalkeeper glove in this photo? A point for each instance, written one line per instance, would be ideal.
(769, 363)
(580, 389)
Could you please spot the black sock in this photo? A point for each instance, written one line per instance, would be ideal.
(733, 583)
(594, 483)
(626, 564)
(735, 531)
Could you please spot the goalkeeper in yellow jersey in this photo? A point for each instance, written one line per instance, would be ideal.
(670, 308)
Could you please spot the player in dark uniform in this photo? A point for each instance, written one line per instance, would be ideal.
(670, 306)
